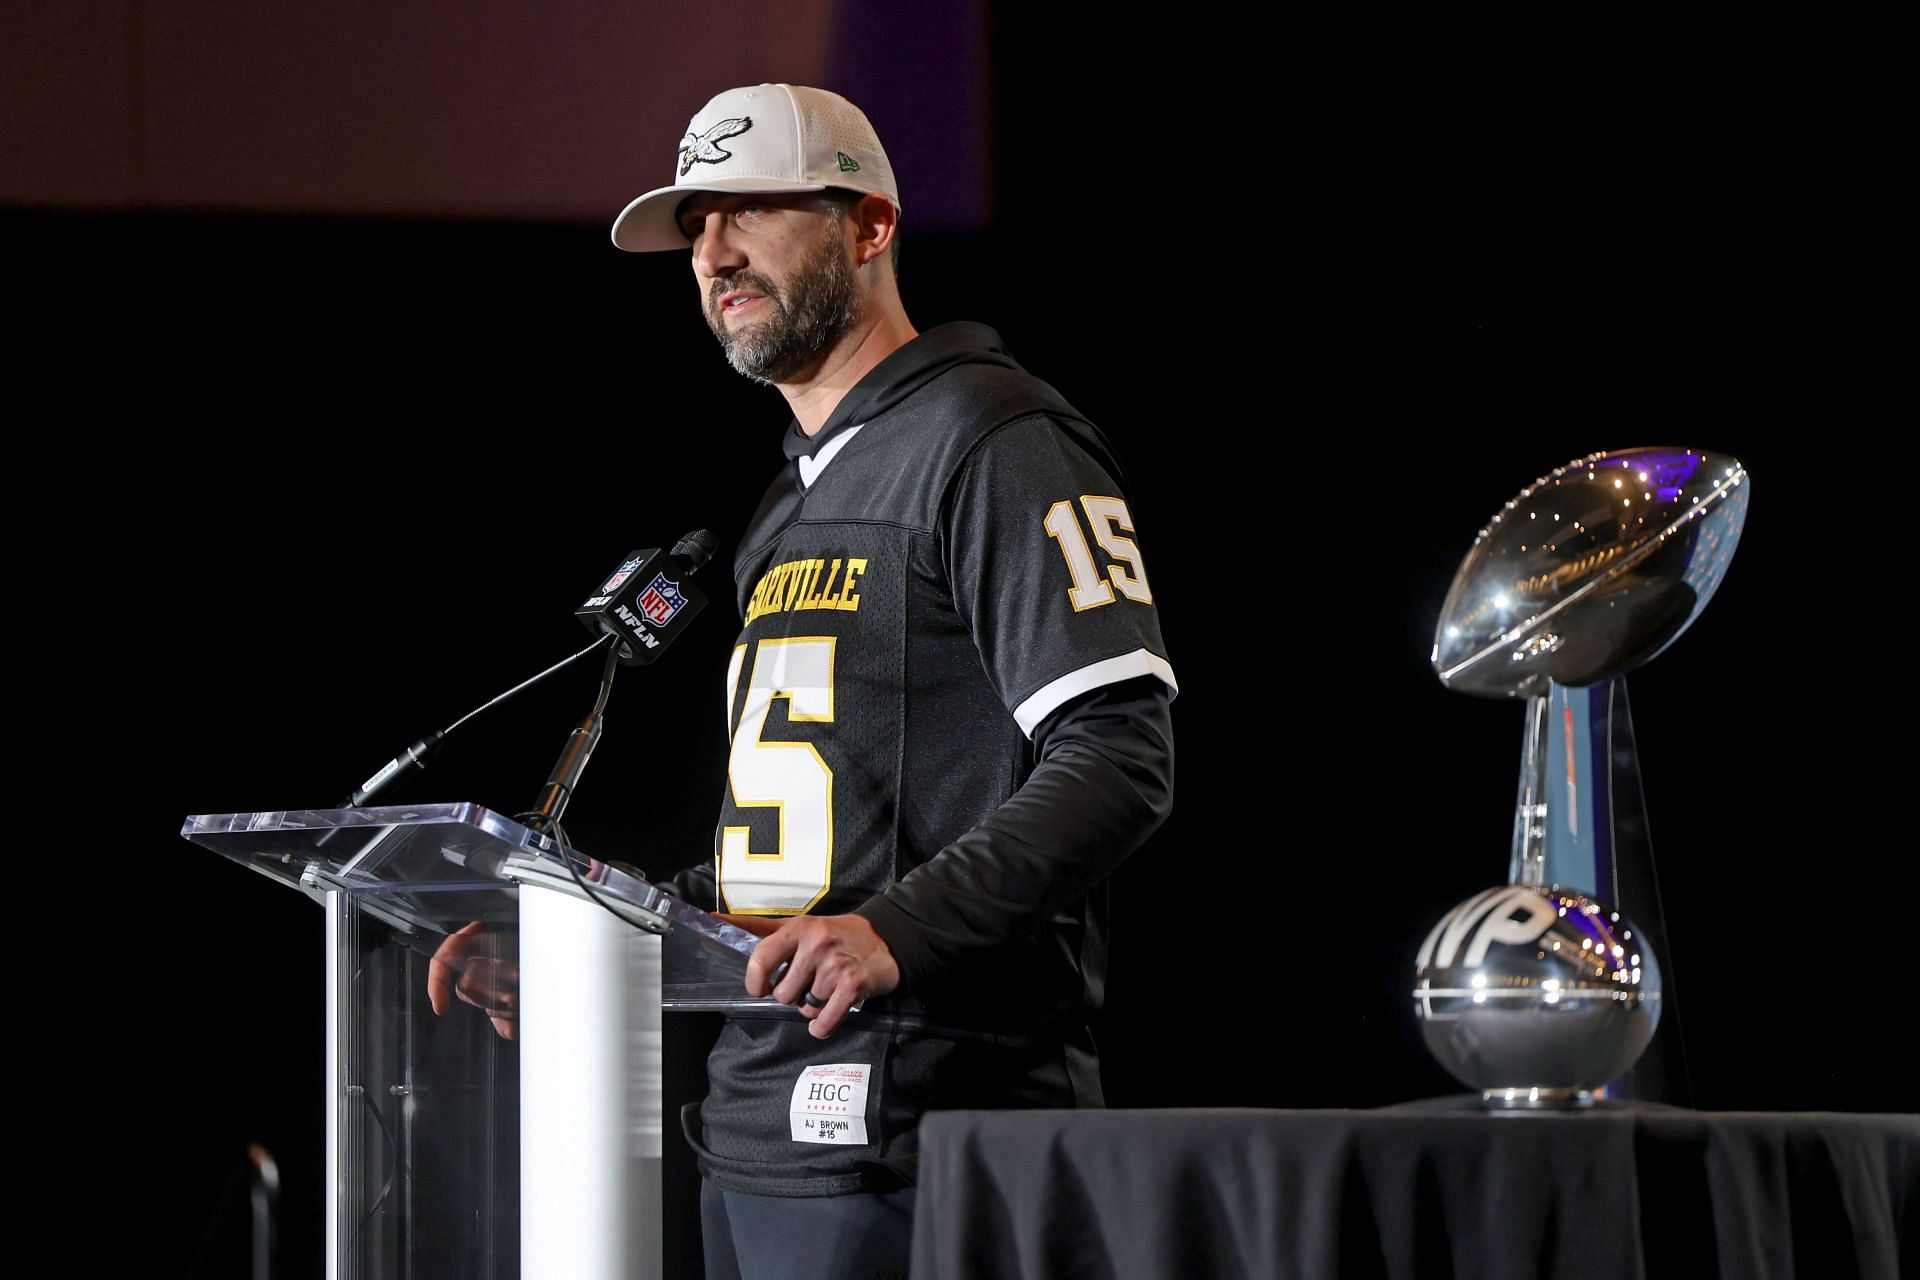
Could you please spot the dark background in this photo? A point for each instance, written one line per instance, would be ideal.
(305, 483)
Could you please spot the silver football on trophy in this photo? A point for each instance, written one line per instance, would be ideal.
(1536, 995)
(1590, 571)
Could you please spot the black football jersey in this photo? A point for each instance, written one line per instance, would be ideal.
(962, 563)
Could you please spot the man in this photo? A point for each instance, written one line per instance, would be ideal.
(948, 703)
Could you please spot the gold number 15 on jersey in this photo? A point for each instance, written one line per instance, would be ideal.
(1108, 518)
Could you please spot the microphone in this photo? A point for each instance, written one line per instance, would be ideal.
(413, 757)
(649, 599)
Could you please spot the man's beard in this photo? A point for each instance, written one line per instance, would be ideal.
(819, 304)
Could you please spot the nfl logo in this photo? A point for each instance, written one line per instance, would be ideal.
(619, 576)
(661, 600)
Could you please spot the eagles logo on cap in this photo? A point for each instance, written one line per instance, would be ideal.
(705, 147)
(778, 138)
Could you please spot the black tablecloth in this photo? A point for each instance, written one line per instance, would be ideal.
(1429, 1189)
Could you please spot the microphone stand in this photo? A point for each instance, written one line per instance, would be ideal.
(544, 817)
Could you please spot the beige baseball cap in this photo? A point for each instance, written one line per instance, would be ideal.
(772, 137)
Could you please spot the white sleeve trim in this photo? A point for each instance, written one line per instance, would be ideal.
(1052, 696)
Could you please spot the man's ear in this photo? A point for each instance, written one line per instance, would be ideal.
(876, 223)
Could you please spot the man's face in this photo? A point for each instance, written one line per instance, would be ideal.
(776, 283)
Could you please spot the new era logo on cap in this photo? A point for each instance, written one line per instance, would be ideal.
(768, 138)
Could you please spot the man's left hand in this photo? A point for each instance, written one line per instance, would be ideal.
(840, 960)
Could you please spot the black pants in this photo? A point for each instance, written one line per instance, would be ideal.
(860, 1237)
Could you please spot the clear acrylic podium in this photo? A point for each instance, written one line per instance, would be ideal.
(454, 1151)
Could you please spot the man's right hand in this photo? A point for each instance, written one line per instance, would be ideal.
(823, 966)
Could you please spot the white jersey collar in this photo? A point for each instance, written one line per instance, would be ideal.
(810, 468)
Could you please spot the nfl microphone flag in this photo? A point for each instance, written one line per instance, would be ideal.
(646, 602)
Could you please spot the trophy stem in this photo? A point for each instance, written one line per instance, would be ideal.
(1529, 863)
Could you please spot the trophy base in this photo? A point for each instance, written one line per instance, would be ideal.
(1535, 1099)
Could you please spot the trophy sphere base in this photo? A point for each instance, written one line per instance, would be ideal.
(1535, 1099)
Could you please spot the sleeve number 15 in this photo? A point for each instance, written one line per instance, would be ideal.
(1110, 521)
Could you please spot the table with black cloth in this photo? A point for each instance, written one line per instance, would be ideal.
(1436, 1188)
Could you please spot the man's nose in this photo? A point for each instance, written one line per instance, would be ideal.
(714, 253)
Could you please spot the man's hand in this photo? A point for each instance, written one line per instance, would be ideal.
(839, 960)
(483, 980)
